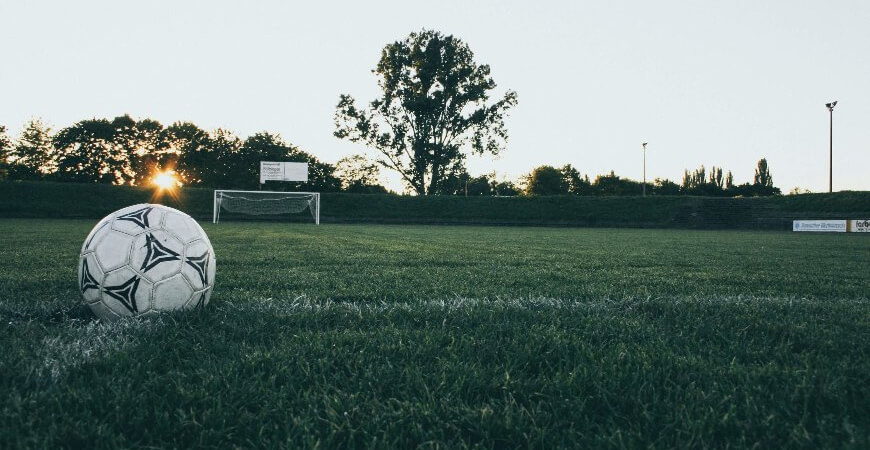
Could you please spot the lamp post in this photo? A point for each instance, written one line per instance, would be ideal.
(644, 169)
(831, 147)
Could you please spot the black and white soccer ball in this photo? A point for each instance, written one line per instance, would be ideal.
(143, 260)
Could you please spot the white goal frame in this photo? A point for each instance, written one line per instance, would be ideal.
(216, 213)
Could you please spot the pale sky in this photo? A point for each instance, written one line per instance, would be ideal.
(704, 82)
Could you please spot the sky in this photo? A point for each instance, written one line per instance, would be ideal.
(703, 82)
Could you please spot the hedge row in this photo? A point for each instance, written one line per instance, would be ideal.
(69, 200)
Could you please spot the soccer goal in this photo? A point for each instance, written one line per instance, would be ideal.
(266, 203)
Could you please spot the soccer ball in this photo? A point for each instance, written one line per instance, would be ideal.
(146, 259)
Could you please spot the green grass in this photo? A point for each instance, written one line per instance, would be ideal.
(421, 336)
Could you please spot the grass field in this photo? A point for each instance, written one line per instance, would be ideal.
(420, 336)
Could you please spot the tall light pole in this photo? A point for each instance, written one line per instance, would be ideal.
(831, 148)
(644, 169)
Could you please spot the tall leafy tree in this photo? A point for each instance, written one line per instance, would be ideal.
(434, 108)
(227, 148)
(762, 174)
(613, 184)
(546, 180)
(87, 152)
(145, 144)
(32, 156)
(574, 183)
(479, 185)
(120, 151)
(197, 156)
(763, 181)
(716, 179)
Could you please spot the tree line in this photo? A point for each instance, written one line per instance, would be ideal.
(128, 151)
(549, 180)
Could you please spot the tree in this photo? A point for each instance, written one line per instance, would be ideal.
(504, 188)
(243, 166)
(465, 184)
(120, 151)
(763, 181)
(546, 180)
(87, 153)
(197, 161)
(146, 146)
(5, 145)
(613, 184)
(762, 174)
(665, 187)
(695, 182)
(479, 185)
(32, 155)
(433, 107)
(226, 147)
(359, 175)
(574, 183)
(716, 179)
(797, 190)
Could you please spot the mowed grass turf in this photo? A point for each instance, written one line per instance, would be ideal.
(423, 336)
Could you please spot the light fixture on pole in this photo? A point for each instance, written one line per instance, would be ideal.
(644, 169)
(831, 147)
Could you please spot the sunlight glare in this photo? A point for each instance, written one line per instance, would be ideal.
(166, 180)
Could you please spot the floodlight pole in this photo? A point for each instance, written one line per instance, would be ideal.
(831, 147)
(644, 169)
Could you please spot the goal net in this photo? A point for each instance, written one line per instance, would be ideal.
(266, 203)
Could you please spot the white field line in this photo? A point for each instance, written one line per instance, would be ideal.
(90, 342)
(306, 304)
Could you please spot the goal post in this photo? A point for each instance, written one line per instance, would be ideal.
(259, 203)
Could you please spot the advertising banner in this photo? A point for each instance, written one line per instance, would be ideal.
(283, 171)
(859, 226)
(835, 226)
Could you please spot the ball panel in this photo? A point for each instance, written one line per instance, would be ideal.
(212, 266)
(90, 278)
(157, 255)
(129, 209)
(100, 229)
(182, 226)
(112, 250)
(206, 296)
(205, 237)
(197, 258)
(126, 293)
(172, 294)
(198, 300)
(136, 219)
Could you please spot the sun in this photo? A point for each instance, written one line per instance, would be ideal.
(166, 180)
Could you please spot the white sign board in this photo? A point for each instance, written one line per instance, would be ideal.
(836, 226)
(283, 171)
(860, 226)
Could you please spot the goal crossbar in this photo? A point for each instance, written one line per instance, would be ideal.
(265, 202)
